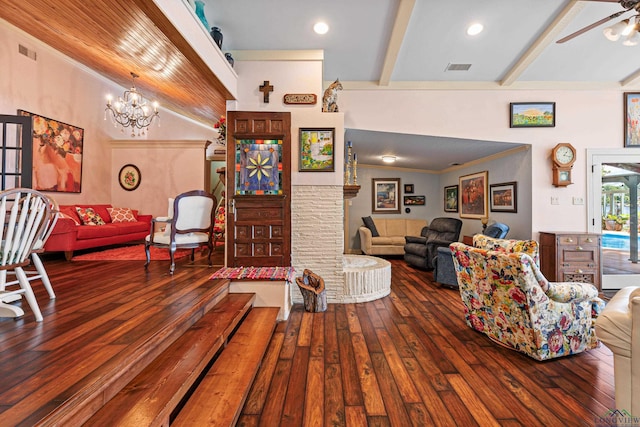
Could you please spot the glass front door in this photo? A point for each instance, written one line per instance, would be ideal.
(614, 210)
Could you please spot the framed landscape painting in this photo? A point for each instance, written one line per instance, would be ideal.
(532, 114)
(385, 195)
(414, 200)
(504, 197)
(316, 150)
(57, 154)
(474, 195)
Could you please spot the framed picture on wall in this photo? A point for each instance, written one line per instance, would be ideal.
(129, 177)
(532, 114)
(385, 195)
(631, 119)
(414, 200)
(504, 197)
(57, 154)
(473, 197)
(408, 189)
(451, 198)
(316, 150)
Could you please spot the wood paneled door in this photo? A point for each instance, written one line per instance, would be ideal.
(259, 189)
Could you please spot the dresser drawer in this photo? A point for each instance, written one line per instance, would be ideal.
(581, 275)
(578, 240)
(571, 257)
(577, 255)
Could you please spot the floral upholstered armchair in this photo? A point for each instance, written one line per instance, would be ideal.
(507, 298)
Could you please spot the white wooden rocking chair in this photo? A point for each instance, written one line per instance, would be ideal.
(23, 215)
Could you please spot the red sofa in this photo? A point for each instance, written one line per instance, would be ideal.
(70, 235)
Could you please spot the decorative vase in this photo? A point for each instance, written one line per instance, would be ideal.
(216, 34)
(200, 13)
(229, 58)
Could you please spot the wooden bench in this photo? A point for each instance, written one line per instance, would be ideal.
(152, 396)
(219, 397)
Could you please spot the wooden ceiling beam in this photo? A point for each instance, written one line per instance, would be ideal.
(547, 37)
(398, 32)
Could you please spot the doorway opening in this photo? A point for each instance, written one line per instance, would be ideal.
(613, 211)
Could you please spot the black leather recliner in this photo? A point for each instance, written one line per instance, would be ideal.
(443, 270)
(419, 251)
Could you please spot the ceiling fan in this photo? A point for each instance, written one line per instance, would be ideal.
(626, 4)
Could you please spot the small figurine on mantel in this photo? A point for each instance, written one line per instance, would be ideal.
(330, 98)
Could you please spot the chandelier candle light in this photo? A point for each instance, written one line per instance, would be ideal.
(131, 110)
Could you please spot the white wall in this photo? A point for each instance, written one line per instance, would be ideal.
(292, 77)
(586, 119)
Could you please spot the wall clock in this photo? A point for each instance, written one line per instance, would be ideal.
(129, 177)
(563, 156)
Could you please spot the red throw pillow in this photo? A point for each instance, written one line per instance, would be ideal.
(89, 217)
(121, 215)
(70, 212)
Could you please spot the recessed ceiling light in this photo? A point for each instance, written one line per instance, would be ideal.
(474, 29)
(388, 159)
(321, 28)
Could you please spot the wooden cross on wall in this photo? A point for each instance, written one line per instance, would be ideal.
(265, 89)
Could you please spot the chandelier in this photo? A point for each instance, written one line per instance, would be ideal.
(131, 110)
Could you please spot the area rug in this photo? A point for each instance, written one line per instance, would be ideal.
(131, 253)
(256, 273)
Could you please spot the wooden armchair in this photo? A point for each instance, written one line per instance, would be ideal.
(188, 226)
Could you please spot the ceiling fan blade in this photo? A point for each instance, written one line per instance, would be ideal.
(589, 27)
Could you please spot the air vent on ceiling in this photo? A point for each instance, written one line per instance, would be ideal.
(26, 52)
(458, 67)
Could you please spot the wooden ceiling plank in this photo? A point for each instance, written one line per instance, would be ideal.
(117, 37)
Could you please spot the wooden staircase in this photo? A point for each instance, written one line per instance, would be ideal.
(202, 362)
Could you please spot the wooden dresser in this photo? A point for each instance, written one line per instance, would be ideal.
(571, 257)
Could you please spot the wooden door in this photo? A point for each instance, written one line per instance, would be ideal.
(259, 189)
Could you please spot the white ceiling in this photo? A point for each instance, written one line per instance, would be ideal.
(409, 43)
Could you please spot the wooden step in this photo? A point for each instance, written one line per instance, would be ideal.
(219, 398)
(151, 397)
(139, 343)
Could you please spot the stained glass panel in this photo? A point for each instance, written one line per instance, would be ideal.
(258, 166)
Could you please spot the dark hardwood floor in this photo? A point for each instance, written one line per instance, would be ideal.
(407, 359)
